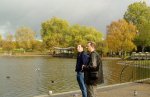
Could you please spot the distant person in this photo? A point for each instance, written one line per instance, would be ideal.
(82, 59)
(93, 71)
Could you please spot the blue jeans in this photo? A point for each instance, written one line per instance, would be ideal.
(80, 79)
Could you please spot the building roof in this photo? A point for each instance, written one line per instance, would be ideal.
(68, 48)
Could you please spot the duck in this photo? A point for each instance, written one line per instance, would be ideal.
(52, 81)
(7, 77)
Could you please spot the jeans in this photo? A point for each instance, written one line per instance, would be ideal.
(80, 79)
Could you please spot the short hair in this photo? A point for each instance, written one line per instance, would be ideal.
(92, 44)
(81, 45)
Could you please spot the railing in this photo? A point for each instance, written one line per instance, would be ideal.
(140, 56)
(135, 70)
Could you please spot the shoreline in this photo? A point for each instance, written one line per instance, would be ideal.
(108, 91)
(26, 55)
(46, 55)
(111, 58)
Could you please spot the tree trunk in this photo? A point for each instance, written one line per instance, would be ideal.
(143, 48)
(122, 54)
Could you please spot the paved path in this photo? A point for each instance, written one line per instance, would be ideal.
(120, 90)
(131, 90)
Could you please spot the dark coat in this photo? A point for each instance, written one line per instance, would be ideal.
(94, 65)
(82, 59)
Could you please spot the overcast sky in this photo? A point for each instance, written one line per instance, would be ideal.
(30, 13)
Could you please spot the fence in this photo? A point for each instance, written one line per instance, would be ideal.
(135, 70)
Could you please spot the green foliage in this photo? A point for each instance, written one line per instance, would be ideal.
(37, 46)
(83, 34)
(52, 32)
(0, 37)
(139, 14)
(8, 44)
(1, 41)
(143, 39)
(21, 50)
(24, 37)
(57, 32)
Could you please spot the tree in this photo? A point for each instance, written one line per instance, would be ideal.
(120, 36)
(83, 34)
(1, 41)
(37, 45)
(58, 32)
(139, 14)
(8, 43)
(52, 32)
(143, 39)
(24, 37)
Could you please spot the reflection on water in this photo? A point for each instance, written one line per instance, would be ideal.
(111, 71)
(29, 76)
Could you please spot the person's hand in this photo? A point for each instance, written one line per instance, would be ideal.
(83, 67)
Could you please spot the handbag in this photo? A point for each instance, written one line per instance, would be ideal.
(93, 75)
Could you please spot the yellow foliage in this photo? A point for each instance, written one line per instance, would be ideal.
(120, 35)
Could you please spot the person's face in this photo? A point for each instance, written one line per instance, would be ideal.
(79, 48)
(89, 47)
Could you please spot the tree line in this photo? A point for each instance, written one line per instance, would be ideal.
(131, 33)
(23, 40)
(55, 32)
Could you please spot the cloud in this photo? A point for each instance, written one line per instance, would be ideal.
(30, 13)
(5, 28)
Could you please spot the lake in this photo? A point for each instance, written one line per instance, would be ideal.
(30, 76)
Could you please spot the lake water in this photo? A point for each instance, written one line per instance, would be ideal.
(30, 76)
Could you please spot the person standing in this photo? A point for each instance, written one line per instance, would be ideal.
(93, 71)
(82, 59)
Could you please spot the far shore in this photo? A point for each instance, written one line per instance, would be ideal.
(48, 55)
(111, 58)
(16, 55)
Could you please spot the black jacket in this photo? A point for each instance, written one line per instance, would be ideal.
(94, 65)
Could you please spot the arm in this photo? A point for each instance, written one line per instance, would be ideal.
(85, 58)
(92, 64)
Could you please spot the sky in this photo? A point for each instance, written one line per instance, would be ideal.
(31, 13)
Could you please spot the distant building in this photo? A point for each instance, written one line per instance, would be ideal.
(140, 56)
(63, 52)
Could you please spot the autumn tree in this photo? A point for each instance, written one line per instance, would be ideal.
(52, 30)
(24, 37)
(138, 13)
(37, 46)
(1, 41)
(83, 34)
(57, 32)
(8, 43)
(120, 36)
